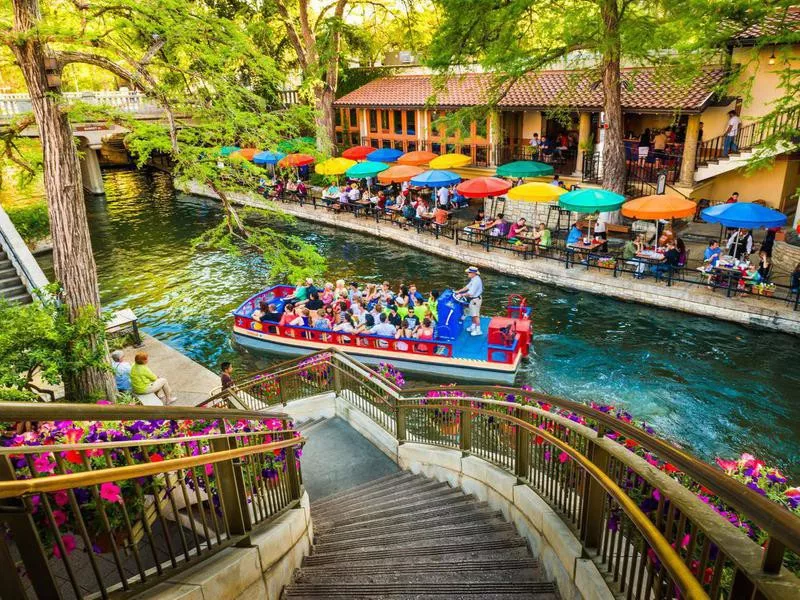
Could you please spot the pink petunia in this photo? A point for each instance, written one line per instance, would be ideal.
(61, 498)
(792, 492)
(43, 464)
(729, 466)
(563, 457)
(73, 436)
(60, 517)
(69, 545)
(110, 492)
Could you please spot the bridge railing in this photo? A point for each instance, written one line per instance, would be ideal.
(111, 500)
(129, 101)
(630, 497)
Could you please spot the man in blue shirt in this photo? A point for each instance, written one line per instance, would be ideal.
(711, 254)
(473, 292)
(122, 371)
(574, 235)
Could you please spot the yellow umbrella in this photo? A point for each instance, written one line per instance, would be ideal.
(536, 192)
(449, 161)
(334, 166)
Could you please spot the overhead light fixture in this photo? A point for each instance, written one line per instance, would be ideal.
(772, 56)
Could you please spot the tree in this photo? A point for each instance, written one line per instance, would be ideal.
(517, 37)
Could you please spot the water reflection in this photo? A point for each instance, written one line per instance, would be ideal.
(714, 387)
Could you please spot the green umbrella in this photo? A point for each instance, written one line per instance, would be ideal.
(228, 150)
(296, 144)
(591, 201)
(524, 168)
(363, 170)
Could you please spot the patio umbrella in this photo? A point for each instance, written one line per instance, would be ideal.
(228, 150)
(363, 170)
(524, 168)
(591, 201)
(482, 187)
(295, 160)
(450, 161)
(745, 215)
(660, 206)
(245, 153)
(399, 173)
(358, 152)
(434, 178)
(334, 166)
(536, 192)
(417, 158)
(296, 144)
(384, 155)
(267, 158)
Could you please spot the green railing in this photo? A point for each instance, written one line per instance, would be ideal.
(98, 501)
(649, 534)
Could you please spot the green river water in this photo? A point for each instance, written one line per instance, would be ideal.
(716, 388)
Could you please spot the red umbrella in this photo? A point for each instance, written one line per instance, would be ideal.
(358, 152)
(481, 187)
(295, 160)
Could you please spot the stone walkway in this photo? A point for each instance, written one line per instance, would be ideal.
(690, 298)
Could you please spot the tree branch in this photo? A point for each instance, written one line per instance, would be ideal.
(294, 38)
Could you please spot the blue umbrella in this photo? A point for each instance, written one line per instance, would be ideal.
(434, 178)
(744, 214)
(267, 158)
(385, 155)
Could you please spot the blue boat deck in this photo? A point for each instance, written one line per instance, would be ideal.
(472, 347)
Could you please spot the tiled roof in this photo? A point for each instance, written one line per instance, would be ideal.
(790, 21)
(641, 91)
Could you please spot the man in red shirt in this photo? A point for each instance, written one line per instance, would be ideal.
(517, 229)
(733, 199)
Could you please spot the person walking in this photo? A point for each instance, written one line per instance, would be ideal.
(473, 292)
(144, 381)
(731, 131)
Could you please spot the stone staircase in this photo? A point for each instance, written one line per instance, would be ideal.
(406, 537)
(11, 286)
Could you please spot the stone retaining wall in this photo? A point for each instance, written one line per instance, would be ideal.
(695, 299)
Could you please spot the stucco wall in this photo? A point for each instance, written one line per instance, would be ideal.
(531, 123)
(772, 184)
(760, 83)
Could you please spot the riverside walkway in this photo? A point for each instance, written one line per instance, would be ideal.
(773, 314)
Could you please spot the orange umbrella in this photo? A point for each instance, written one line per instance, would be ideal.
(296, 160)
(399, 173)
(246, 153)
(416, 158)
(664, 206)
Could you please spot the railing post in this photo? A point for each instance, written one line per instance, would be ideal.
(594, 500)
(772, 560)
(19, 520)
(337, 377)
(465, 426)
(522, 458)
(291, 468)
(400, 421)
(231, 489)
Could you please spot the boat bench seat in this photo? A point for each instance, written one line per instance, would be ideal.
(149, 400)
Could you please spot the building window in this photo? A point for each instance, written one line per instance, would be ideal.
(411, 128)
(481, 155)
(436, 148)
(385, 121)
(353, 118)
(398, 122)
(398, 145)
(338, 117)
(375, 143)
(481, 128)
(354, 139)
(339, 138)
(386, 144)
(373, 120)
(411, 146)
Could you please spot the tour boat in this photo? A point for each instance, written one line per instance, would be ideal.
(493, 357)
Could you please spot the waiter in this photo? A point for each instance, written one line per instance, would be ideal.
(473, 292)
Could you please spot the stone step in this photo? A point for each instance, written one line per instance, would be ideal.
(8, 271)
(464, 508)
(408, 487)
(417, 491)
(473, 570)
(451, 552)
(402, 539)
(403, 591)
(410, 505)
(355, 492)
(435, 520)
(13, 292)
(20, 299)
(8, 280)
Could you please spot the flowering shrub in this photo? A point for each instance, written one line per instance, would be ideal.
(132, 494)
(316, 369)
(392, 373)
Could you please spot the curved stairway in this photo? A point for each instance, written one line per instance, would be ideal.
(405, 536)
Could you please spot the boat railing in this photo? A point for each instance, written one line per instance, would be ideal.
(638, 504)
(504, 354)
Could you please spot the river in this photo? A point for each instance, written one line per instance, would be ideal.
(716, 388)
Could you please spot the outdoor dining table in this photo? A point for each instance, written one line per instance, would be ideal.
(731, 274)
(587, 249)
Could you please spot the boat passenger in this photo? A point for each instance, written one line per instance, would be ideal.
(314, 302)
(270, 314)
(344, 323)
(385, 293)
(413, 321)
(394, 318)
(329, 314)
(357, 309)
(353, 292)
(259, 312)
(340, 291)
(383, 328)
(321, 320)
(327, 295)
(425, 331)
(367, 324)
(414, 297)
(433, 304)
(289, 315)
(402, 301)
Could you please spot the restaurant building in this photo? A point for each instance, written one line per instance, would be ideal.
(404, 111)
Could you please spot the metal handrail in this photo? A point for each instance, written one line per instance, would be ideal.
(680, 573)
(781, 524)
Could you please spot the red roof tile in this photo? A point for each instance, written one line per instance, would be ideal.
(782, 21)
(642, 91)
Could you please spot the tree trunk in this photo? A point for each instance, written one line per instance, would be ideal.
(325, 123)
(614, 167)
(73, 260)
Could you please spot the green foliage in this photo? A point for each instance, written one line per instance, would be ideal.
(31, 220)
(40, 337)
(17, 395)
(352, 79)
